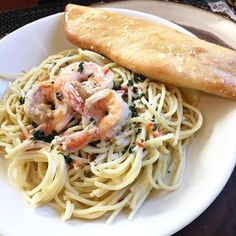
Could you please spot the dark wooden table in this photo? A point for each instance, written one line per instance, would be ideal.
(220, 218)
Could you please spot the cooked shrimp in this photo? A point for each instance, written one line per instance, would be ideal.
(108, 110)
(71, 96)
(44, 107)
(80, 80)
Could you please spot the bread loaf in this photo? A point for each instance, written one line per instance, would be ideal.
(153, 50)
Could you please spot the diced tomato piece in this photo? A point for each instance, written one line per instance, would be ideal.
(149, 126)
(106, 71)
(140, 144)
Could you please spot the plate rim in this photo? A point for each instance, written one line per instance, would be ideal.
(58, 15)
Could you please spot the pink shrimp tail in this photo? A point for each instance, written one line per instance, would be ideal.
(75, 141)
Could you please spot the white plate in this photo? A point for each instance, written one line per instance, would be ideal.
(211, 157)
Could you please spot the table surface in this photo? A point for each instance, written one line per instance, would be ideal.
(220, 218)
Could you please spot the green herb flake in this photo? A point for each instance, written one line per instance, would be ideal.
(92, 157)
(132, 108)
(139, 130)
(22, 100)
(81, 67)
(51, 147)
(90, 75)
(68, 159)
(86, 173)
(130, 83)
(95, 143)
(59, 96)
(154, 128)
(141, 95)
(134, 113)
(34, 124)
(138, 78)
(40, 135)
(131, 149)
(117, 85)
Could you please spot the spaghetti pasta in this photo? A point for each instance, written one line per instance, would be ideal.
(108, 175)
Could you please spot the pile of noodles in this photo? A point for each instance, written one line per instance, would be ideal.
(107, 175)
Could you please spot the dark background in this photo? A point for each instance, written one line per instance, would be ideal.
(14, 14)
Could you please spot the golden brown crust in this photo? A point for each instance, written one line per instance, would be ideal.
(153, 50)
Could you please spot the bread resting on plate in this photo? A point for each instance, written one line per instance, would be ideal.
(153, 50)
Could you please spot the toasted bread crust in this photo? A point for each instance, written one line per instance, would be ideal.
(153, 50)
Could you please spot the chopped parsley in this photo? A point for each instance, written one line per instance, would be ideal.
(86, 173)
(131, 149)
(89, 75)
(117, 85)
(94, 143)
(132, 108)
(138, 78)
(139, 130)
(22, 100)
(68, 159)
(51, 147)
(92, 157)
(81, 67)
(40, 135)
(154, 128)
(59, 96)
(141, 95)
(34, 124)
(130, 83)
